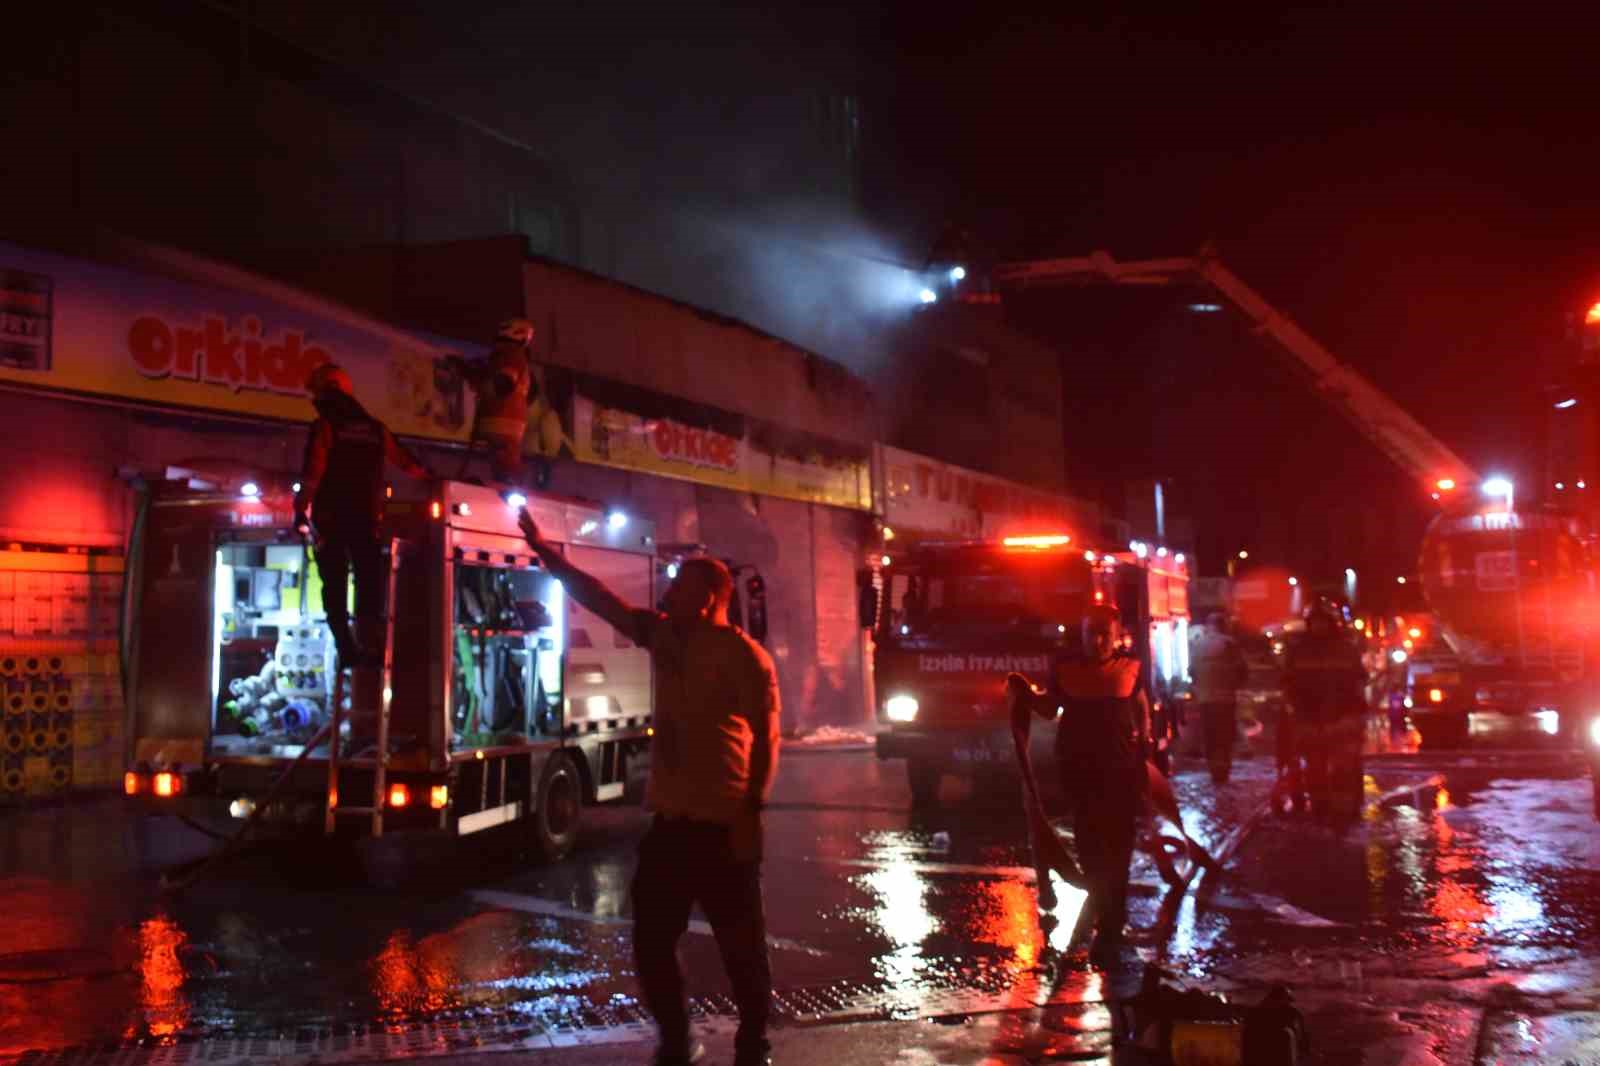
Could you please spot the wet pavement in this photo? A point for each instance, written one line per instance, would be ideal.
(1454, 923)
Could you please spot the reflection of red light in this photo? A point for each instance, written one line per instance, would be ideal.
(166, 1008)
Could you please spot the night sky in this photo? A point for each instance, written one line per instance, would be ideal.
(1416, 187)
(1412, 183)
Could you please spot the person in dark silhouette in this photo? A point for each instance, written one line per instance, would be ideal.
(1101, 744)
(341, 498)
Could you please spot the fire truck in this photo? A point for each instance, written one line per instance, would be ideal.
(499, 702)
(957, 616)
(1513, 588)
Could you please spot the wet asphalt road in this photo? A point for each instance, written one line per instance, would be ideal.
(1490, 873)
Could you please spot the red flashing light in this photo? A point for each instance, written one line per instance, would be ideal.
(1445, 484)
(166, 784)
(399, 795)
(130, 783)
(439, 797)
(1593, 317)
(1435, 695)
(1051, 540)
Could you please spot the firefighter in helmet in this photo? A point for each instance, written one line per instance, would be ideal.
(505, 387)
(1101, 745)
(1323, 679)
(341, 497)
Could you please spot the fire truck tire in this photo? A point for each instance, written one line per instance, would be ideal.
(924, 779)
(553, 829)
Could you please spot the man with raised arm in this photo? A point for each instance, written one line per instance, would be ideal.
(712, 764)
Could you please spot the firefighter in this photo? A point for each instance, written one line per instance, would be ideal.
(1219, 670)
(1101, 746)
(504, 386)
(1323, 679)
(341, 498)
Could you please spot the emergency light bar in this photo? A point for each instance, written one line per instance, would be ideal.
(1054, 540)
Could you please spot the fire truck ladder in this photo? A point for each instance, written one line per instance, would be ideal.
(1391, 429)
(333, 809)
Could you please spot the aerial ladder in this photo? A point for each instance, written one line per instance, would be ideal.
(1395, 433)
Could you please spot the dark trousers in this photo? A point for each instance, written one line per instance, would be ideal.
(1220, 720)
(1106, 805)
(682, 863)
(337, 556)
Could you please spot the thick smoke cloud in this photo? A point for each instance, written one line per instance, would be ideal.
(714, 148)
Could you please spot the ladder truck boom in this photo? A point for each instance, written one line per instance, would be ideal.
(1399, 436)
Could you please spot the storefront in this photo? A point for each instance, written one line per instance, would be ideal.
(114, 371)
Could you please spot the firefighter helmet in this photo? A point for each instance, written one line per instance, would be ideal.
(519, 330)
(330, 376)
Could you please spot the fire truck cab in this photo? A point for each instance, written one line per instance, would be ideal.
(957, 617)
(501, 700)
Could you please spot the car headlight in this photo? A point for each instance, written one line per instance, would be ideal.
(901, 708)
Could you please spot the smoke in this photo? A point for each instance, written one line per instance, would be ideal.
(713, 148)
(810, 273)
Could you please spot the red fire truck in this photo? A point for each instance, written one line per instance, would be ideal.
(957, 617)
(501, 701)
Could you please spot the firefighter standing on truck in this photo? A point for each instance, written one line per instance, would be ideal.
(1323, 679)
(1100, 753)
(341, 497)
(505, 386)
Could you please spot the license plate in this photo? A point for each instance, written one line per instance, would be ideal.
(981, 755)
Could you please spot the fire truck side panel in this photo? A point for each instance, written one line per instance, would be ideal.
(171, 714)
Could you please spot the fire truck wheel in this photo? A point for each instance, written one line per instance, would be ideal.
(924, 779)
(554, 826)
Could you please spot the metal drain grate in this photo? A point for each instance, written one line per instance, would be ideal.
(621, 1021)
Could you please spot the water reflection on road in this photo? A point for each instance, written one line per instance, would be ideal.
(1493, 866)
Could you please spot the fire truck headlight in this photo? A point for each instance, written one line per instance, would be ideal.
(1594, 731)
(516, 501)
(616, 520)
(927, 296)
(1549, 721)
(901, 708)
(958, 273)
